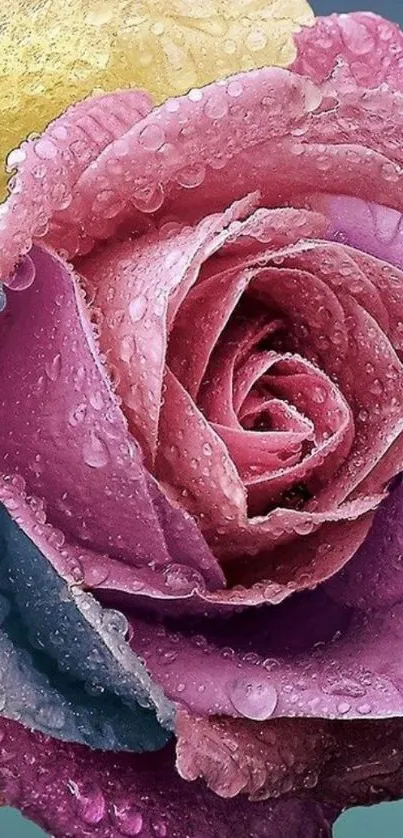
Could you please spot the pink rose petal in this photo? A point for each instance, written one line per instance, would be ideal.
(369, 47)
(69, 439)
(51, 167)
(139, 284)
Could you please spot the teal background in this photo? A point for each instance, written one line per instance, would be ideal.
(385, 820)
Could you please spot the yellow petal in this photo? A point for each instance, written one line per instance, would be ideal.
(55, 52)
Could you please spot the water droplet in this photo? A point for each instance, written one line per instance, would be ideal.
(160, 829)
(77, 572)
(169, 657)
(89, 802)
(254, 700)
(95, 452)
(364, 709)
(152, 137)
(18, 482)
(191, 176)
(207, 449)
(148, 199)
(216, 108)
(3, 698)
(96, 400)
(16, 156)
(256, 40)
(45, 149)
(319, 395)
(3, 298)
(343, 707)
(53, 367)
(137, 308)
(313, 97)
(128, 818)
(23, 275)
(77, 415)
(79, 378)
(157, 28)
(377, 387)
(235, 89)
(126, 348)
(115, 621)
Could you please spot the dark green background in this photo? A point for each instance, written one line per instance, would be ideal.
(385, 821)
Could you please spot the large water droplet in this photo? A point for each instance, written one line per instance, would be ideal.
(16, 156)
(115, 621)
(89, 802)
(77, 415)
(253, 699)
(96, 400)
(152, 137)
(191, 176)
(95, 452)
(137, 308)
(160, 829)
(128, 819)
(23, 275)
(149, 199)
(3, 298)
(53, 368)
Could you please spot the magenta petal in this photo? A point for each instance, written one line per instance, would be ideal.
(74, 792)
(248, 669)
(374, 576)
(69, 439)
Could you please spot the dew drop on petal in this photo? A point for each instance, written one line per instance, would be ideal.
(137, 308)
(3, 299)
(127, 818)
(149, 199)
(152, 137)
(115, 621)
(23, 275)
(89, 803)
(191, 176)
(96, 400)
(253, 699)
(95, 452)
(16, 156)
(235, 89)
(53, 368)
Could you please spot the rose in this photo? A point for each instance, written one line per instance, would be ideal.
(189, 223)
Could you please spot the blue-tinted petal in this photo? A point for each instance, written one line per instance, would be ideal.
(66, 667)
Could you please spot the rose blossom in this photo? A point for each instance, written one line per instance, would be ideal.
(202, 405)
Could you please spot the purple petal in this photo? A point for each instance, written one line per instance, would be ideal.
(75, 792)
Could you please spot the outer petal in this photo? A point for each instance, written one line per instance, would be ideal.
(368, 48)
(60, 629)
(75, 792)
(357, 763)
(168, 163)
(308, 657)
(71, 51)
